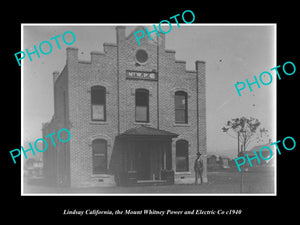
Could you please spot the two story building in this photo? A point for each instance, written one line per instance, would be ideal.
(135, 114)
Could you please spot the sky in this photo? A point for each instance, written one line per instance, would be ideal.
(233, 53)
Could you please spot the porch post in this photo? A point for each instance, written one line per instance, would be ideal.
(168, 155)
(164, 156)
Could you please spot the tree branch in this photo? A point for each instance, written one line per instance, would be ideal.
(231, 135)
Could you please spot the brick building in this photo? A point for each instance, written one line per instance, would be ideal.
(135, 115)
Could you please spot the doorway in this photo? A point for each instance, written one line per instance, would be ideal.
(143, 162)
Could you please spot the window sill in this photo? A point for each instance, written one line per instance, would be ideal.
(98, 122)
(181, 124)
(142, 123)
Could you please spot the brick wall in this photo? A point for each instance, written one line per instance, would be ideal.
(56, 158)
(103, 69)
(200, 68)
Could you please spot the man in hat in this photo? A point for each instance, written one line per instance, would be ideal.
(198, 167)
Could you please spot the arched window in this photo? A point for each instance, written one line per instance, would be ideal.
(99, 148)
(98, 102)
(182, 156)
(181, 105)
(142, 105)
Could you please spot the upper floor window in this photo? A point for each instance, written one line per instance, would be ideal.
(142, 105)
(98, 98)
(181, 101)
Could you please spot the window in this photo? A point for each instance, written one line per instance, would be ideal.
(181, 115)
(99, 147)
(98, 96)
(142, 105)
(182, 156)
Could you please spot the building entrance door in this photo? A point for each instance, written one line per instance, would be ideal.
(143, 162)
(149, 160)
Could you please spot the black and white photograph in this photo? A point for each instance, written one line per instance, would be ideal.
(154, 115)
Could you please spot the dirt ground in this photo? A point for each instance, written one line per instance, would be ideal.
(255, 181)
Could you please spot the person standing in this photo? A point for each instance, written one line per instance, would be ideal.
(198, 167)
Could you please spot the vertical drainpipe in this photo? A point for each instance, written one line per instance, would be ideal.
(197, 81)
(118, 31)
(157, 57)
(118, 85)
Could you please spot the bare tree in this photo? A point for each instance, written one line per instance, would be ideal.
(244, 130)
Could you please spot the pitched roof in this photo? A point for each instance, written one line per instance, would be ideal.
(147, 131)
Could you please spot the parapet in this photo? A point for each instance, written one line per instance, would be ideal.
(96, 56)
(72, 54)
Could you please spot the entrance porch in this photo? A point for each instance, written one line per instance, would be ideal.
(146, 157)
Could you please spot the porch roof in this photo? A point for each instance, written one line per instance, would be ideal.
(145, 131)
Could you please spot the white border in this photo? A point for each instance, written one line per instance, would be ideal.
(152, 194)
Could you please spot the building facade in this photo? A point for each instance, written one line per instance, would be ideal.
(135, 115)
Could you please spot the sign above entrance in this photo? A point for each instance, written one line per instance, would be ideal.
(141, 75)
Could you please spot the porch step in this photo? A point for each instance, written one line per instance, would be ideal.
(151, 182)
